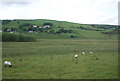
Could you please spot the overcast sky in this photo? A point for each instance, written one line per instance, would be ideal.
(79, 11)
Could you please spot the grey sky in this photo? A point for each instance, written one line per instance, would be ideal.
(79, 11)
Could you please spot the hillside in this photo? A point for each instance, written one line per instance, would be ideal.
(43, 28)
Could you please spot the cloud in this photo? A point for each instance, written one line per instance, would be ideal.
(80, 11)
(113, 20)
(16, 0)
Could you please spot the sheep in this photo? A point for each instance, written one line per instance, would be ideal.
(76, 56)
(76, 60)
(90, 52)
(7, 63)
(83, 53)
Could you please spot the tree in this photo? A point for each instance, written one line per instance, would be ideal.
(47, 23)
(5, 21)
(72, 36)
(25, 29)
(18, 22)
(64, 31)
(52, 31)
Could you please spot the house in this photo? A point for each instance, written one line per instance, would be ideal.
(40, 27)
(30, 31)
(34, 26)
(8, 30)
(47, 26)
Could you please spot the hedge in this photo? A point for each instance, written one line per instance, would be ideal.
(16, 37)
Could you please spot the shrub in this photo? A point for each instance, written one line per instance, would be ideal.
(72, 36)
(10, 37)
(26, 38)
(64, 31)
(47, 23)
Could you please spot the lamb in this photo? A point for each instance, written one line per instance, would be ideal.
(7, 63)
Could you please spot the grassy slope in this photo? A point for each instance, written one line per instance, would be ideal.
(83, 34)
(40, 23)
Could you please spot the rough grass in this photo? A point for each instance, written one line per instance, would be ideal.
(53, 59)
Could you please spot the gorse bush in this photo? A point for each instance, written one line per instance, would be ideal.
(10, 37)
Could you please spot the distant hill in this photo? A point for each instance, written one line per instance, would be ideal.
(43, 28)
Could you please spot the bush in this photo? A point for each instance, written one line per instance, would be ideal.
(26, 38)
(73, 36)
(64, 31)
(47, 23)
(9, 37)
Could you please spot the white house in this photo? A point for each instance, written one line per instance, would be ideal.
(30, 31)
(34, 26)
(40, 27)
(47, 26)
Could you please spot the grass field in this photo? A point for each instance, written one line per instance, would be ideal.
(53, 59)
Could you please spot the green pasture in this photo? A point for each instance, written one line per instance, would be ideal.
(16, 23)
(54, 59)
(55, 24)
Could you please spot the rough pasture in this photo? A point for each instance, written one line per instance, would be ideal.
(53, 59)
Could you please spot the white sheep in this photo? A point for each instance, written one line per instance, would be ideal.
(7, 63)
(76, 56)
(76, 60)
(90, 52)
(83, 53)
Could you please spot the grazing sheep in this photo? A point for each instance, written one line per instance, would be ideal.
(7, 63)
(90, 52)
(76, 56)
(76, 60)
(83, 53)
